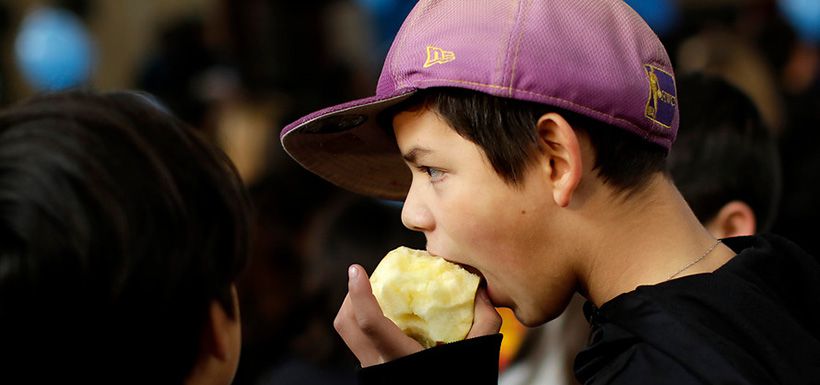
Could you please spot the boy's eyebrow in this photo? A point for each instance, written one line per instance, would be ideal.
(414, 153)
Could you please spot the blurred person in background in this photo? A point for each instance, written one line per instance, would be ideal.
(347, 228)
(239, 71)
(123, 235)
(799, 72)
(274, 305)
(768, 49)
(722, 132)
(277, 74)
(177, 71)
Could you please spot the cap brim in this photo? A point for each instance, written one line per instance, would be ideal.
(346, 145)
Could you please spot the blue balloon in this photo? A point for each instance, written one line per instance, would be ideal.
(54, 50)
(804, 15)
(661, 15)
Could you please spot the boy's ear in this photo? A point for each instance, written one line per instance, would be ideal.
(734, 219)
(561, 154)
(221, 338)
(220, 344)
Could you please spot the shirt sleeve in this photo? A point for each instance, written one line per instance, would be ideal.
(472, 361)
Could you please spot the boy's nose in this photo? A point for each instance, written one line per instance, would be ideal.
(415, 215)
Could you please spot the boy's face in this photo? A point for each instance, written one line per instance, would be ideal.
(471, 216)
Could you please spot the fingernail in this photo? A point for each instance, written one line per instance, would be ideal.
(352, 272)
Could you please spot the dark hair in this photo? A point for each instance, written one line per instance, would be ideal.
(118, 228)
(724, 151)
(505, 129)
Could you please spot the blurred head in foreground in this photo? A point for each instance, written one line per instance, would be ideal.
(121, 236)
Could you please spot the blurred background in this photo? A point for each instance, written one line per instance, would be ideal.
(239, 70)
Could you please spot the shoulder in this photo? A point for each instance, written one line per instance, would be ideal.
(617, 356)
(702, 323)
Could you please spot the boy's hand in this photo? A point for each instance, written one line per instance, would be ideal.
(374, 339)
(371, 336)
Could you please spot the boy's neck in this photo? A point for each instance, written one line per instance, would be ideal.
(645, 240)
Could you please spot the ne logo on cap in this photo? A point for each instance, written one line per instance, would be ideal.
(663, 98)
(436, 55)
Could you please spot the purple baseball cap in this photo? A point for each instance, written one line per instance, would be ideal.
(597, 58)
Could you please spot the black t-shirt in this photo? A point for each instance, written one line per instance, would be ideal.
(752, 321)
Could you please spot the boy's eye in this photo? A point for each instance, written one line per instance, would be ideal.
(434, 173)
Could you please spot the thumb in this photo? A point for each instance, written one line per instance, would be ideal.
(388, 339)
(486, 320)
